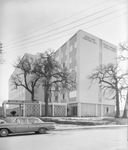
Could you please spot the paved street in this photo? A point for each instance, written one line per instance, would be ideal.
(81, 139)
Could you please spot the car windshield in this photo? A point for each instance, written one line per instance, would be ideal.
(34, 120)
(8, 120)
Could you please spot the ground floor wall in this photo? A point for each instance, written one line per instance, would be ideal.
(54, 109)
(90, 110)
(63, 109)
(36, 109)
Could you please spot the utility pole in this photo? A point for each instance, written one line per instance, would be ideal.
(127, 65)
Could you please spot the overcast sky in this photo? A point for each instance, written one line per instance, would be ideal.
(35, 25)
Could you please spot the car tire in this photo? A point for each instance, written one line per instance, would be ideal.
(42, 130)
(3, 132)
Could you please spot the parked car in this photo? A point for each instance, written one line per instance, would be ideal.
(23, 125)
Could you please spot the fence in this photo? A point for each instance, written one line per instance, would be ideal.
(37, 109)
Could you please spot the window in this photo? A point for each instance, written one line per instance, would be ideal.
(63, 48)
(63, 65)
(56, 98)
(63, 96)
(56, 54)
(34, 120)
(73, 39)
(56, 93)
(21, 120)
(50, 97)
(107, 110)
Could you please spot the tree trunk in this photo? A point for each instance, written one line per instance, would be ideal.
(117, 115)
(125, 108)
(32, 96)
(46, 101)
(124, 112)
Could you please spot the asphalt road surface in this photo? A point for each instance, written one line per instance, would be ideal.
(81, 139)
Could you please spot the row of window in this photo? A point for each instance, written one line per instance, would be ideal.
(56, 96)
(63, 49)
(27, 121)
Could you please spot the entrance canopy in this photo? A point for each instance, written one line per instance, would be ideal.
(20, 104)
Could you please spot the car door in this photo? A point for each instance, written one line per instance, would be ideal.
(33, 124)
(21, 125)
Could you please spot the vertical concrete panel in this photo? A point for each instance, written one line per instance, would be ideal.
(89, 60)
(88, 110)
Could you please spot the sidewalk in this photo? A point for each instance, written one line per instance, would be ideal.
(60, 127)
(75, 123)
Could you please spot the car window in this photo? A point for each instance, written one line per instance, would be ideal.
(34, 120)
(21, 120)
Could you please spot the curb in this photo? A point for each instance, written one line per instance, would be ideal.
(92, 127)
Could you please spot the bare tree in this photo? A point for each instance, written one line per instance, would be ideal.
(124, 59)
(52, 75)
(24, 77)
(124, 51)
(111, 80)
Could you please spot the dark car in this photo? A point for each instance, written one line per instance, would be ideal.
(23, 125)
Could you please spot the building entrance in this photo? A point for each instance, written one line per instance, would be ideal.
(74, 111)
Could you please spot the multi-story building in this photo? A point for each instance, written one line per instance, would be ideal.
(81, 54)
